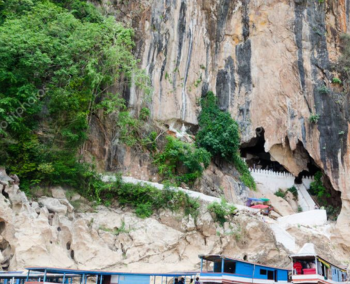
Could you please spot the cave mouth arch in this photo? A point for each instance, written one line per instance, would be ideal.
(253, 152)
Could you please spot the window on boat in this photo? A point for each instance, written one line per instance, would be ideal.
(230, 267)
(263, 271)
(217, 266)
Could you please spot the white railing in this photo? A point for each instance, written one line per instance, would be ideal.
(273, 180)
(270, 173)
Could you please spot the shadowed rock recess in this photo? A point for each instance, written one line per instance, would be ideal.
(266, 60)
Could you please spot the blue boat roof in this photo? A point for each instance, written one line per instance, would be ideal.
(34, 274)
(258, 199)
(217, 257)
(99, 272)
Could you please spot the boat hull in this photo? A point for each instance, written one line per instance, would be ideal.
(231, 279)
(312, 279)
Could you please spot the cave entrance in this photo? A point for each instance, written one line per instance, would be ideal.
(312, 170)
(253, 152)
(324, 195)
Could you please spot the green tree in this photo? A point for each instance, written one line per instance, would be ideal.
(219, 134)
(181, 161)
(58, 61)
(318, 189)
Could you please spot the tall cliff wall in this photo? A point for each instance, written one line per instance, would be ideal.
(265, 60)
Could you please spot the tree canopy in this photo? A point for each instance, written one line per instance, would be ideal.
(58, 59)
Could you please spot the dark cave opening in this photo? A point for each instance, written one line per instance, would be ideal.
(253, 152)
(312, 170)
(255, 156)
(4, 193)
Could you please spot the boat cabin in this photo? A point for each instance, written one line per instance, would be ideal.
(22, 277)
(308, 267)
(222, 269)
(106, 277)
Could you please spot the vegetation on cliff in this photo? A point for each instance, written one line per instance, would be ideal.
(181, 162)
(58, 61)
(219, 134)
(145, 198)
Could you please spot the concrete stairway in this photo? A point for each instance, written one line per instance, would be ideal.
(304, 198)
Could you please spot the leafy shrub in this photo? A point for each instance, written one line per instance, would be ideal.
(221, 210)
(317, 188)
(129, 129)
(149, 142)
(144, 210)
(314, 118)
(144, 198)
(243, 169)
(332, 212)
(181, 161)
(219, 134)
(280, 193)
(145, 113)
(300, 209)
(336, 81)
(323, 90)
(294, 191)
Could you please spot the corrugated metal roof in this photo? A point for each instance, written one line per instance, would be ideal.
(213, 257)
(33, 274)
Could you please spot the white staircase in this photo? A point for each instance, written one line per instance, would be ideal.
(304, 199)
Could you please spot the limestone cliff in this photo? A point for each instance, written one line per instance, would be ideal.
(266, 60)
(48, 230)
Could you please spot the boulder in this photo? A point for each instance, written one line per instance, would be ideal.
(53, 205)
(58, 192)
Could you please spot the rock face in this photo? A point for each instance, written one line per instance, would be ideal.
(266, 60)
(43, 234)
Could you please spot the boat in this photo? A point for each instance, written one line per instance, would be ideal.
(310, 268)
(223, 269)
(109, 277)
(22, 277)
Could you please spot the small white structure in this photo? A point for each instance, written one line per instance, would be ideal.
(307, 249)
(282, 180)
(273, 180)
